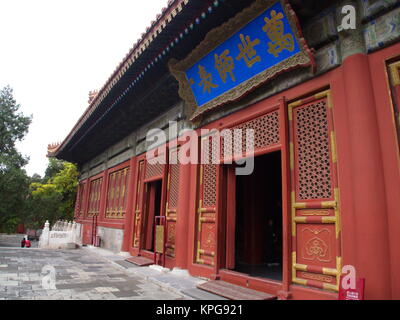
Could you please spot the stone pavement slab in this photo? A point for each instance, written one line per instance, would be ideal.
(78, 275)
(177, 280)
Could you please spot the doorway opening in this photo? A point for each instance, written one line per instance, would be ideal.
(152, 208)
(258, 219)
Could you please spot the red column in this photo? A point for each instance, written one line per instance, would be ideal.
(391, 156)
(370, 215)
(182, 223)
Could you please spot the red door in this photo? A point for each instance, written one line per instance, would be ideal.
(87, 234)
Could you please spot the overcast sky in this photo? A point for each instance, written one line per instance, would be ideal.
(53, 52)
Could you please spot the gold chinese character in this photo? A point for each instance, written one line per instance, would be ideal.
(274, 28)
(206, 80)
(224, 64)
(247, 51)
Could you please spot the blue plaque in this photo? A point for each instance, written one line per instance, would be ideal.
(266, 45)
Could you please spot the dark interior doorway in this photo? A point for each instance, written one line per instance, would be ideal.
(258, 231)
(152, 209)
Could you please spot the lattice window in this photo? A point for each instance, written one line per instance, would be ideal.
(209, 185)
(117, 195)
(172, 207)
(174, 186)
(79, 210)
(153, 170)
(266, 133)
(266, 130)
(209, 177)
(94, 197)
(312, 152)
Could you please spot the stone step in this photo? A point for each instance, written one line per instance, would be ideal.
(200, 294)
(140, 261)
(234, 292)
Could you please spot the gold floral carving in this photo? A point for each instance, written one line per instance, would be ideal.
(317, 277)
(171, 233)
(304, 58)
(316, 248)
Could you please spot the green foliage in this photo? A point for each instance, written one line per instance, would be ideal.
(11, 224)
(14, 182)
(54, 199)
(13, 127)
(23, 199)
(36, 178)
(54, 167)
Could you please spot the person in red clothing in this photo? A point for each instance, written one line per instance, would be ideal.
(27, 243)
(23, 242)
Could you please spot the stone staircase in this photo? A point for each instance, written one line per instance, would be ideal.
(11, 240)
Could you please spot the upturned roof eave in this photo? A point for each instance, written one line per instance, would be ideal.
(152, 32)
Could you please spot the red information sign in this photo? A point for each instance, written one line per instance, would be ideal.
(356, 293)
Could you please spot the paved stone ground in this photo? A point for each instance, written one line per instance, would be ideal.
(80, 275)
(14, 240)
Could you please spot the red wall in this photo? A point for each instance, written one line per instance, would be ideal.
(368, 178)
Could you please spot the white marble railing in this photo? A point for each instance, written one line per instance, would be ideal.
(62, 235)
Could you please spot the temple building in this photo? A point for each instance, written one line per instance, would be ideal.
(305, 94)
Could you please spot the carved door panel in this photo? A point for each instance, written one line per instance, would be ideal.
(148, 216)
(171, 211)
(117, 195)
(87, 234)
(206, 232)
(316, 248)
(80, 200)
(137, 221)
(230, 246)
(94, 197)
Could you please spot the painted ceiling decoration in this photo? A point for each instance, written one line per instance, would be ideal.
(132, 70)
(157, 26)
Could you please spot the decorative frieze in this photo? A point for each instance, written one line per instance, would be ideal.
(371, 8)
(321, 29)
(383, 30)
(328, 57)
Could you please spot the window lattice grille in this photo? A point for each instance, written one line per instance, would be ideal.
(94, 197)
(313, 153)
(117, 193)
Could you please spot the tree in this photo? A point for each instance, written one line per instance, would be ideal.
(13, 179)
(23, 199)
(54, 167)
(54, 199)
(13, 127)
(14, 190)
(36, 178)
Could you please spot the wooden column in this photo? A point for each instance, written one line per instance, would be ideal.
(182, 223)
(369, 206)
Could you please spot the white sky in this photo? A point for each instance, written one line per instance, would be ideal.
(53, 52)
